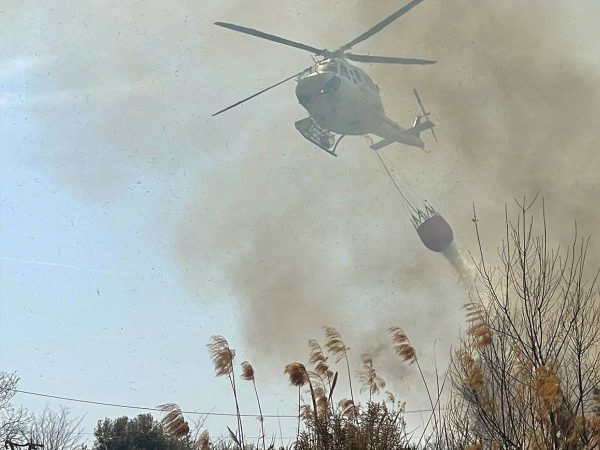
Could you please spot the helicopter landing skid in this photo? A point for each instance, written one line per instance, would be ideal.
(324, 139)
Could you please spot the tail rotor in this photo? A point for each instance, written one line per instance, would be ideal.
(425, 113)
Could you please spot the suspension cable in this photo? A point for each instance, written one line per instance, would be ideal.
(407, 202)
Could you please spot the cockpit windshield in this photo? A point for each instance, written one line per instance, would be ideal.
(347, 71)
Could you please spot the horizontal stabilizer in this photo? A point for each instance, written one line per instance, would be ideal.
(381, 144)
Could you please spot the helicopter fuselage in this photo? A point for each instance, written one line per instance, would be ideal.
(343, 99)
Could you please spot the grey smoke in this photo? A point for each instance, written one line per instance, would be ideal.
(263, 219)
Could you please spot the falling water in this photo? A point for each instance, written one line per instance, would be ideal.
(464, 271)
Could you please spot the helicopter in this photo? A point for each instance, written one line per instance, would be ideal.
(341, 99)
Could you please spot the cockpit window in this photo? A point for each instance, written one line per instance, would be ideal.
(328, 66)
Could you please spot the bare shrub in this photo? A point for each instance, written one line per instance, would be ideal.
(528, 370)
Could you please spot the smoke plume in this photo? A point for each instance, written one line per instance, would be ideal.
(260, 217)
(312, 241)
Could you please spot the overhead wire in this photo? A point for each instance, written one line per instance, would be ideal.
(147, 408)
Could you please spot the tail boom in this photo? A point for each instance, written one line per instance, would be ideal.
(392, 132)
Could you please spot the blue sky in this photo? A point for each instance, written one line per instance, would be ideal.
(133, 226)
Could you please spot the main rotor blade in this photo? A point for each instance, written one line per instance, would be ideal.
(258, 93)
(271, 37)
(386, 59)
(381, 25)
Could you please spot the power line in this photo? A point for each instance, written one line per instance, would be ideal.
(147, 408)
(221, 436)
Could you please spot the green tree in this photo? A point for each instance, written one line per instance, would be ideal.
(139, 433)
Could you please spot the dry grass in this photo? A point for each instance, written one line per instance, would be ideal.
(347, 407)
(248, 375)
(297, 373)
(402, 346)
(319, 360)
(222, 355)
(247, 371)
(369, 378)
(204, 441)
(478, 330)
(173, 421)
(335, 344)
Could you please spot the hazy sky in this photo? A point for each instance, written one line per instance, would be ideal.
(133, 226)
